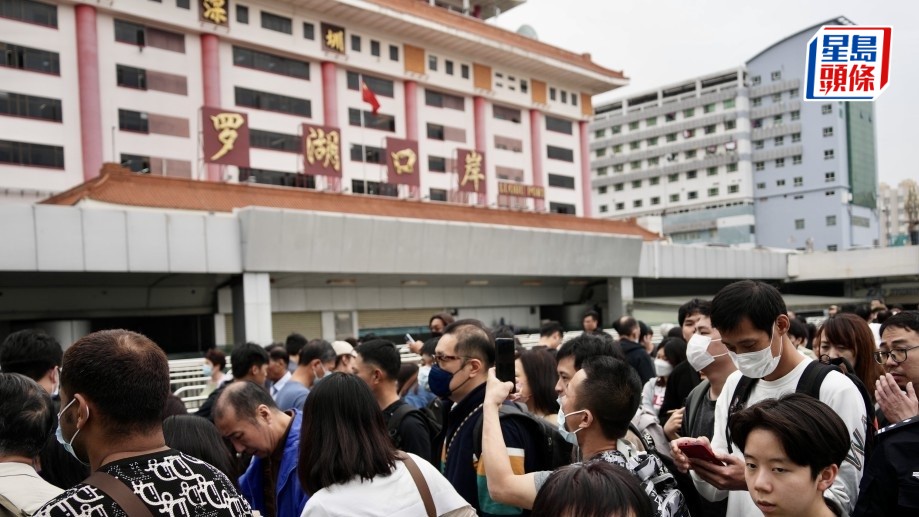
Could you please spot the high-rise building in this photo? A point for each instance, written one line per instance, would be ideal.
(797, 175)
(125, 82)
(895, 204)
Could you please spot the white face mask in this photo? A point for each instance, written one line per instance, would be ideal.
(697, 352)
(662, 368)
(757, 365)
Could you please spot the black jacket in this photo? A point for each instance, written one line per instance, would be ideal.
(639, 359)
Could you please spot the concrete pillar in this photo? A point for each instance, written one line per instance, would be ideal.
(210, 76)
(536, 152)
(585, 170)
(329, 94)
(90, 98)
(620, 296)
(411, 110)
(252, 309)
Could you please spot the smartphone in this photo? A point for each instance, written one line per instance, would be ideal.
(700, 451)
(409, 339)
(504, 360)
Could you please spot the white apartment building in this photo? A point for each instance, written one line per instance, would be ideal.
(896, 203)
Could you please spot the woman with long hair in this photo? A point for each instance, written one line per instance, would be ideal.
(670, 353)
(536, 380)
(349, 465)
(849, 337)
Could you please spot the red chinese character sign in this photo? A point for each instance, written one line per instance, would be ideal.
(470, 170)
(225, 137)
(321, 150)
(849, 63)
(402, 162)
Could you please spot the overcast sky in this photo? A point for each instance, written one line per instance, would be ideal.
(665, 41)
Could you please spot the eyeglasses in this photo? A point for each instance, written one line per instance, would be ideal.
(898, 355)
(441, 358)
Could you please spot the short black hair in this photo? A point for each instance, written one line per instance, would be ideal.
(907, 320)
(429, 346)
(278, 352)
(588, 345)
(30, 352)
(383, 355)
(612, 392)
(125, 374)
(674, 350)
(244, 397)
(473, 339)
(795, 419)
(343, 436)
(693, 306)
(217, 358)
(627, 325)
(27, 416)
(593, 314)
(757, 301)
(317, 349)
(644, 330)
(200, 439)
(797, 329)
(294, 343)
(551, 327)
(675, 332)
(245, 356)
(592, 489)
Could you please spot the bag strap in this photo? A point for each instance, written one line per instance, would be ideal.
(694, 403)
(812, 378)
(397, 417)
(124, 496)
(738, 400)
(420, 483)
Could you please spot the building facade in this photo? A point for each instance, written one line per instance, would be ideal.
(800, 175)
(895, 205)
(126, 83)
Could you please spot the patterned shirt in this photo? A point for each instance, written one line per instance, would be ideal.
(170, 483)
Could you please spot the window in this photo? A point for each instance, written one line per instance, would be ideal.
(712, 171)
(730, 124)
(131, 77)
(274, 141)
(636, 184)
(309, 32)
(448, 67)
(242, 14)
(634, 145)
(826, 109)
(689, 112)
(25, 58)
(435, 131)
(757, 123)
(379, 121)
(560, 153)
(601, 152)
(796, 159)
(617, 148)
(273, 22)
(731, 167)
(829, 177)
(558, 125)
(552, 94)
(432, 63)
(616, 130)
(651, 122)
(671, 137)
(367, 154)
(620, 206)
(374, 188)
(635, 165)
(709, 129)
(133, 121)
(273, 102)
(728, 104)
(690, 154)
(689, 133)
(654, 161)
(271, 63)
(691, 175)
(557, 180)
(799, 181)
(779, 183)
(509, 114)
(574, 99)
(562, 208)
(673, 178)
(795, 137)
(760, 186)
(355, 43)
(832, 247)
(654, 181)
(779, 140)
(602, 171)
(828, 193)
(375, 51)
(708, 108)
(604, 209)
(633, 126)
(437, 164)
(602, 190)
(799, 224)
(779, 162)
(438, 194)
(381, 87)
(795, 115)
(733, 189)
(655, 200)
(599, 133)
(37, 155)
(29, 11)
(777, 75)
(776, 97)
(831, 220)
(636, 203)
(692, 195)
(136, 163)
(618, 167)
(443, 100)
(652, 141)
(862, 222)
(712, 192)
(564, 97)
(759, 166)
(828, 131)
(829, 154)
(617, 187)
(393, 53)
(20, 105)
(674, 198)
(464, 71)
(756, 101)
(777, 120)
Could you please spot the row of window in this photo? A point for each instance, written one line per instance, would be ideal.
(777, 141)
(655, 161)
(563, 96)
(27, 58)
(143, 36)
(29, 11)
(21, 105)
(673, 198)
(670, 137)
(776, 97)
(671, 178)
(776, 76)
(35, 155)
(669, 117)
(777, 120)
(798, 181)
(511, 83)
(448, 66)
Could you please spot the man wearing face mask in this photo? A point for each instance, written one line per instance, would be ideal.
(248, 362)
(114, 384)
(753, 322)
(316, 360)
(462, 358)
(684, 378)
(597, 405)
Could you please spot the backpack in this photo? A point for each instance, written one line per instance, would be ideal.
(655, 474)
(553, 450)
(403, 411)
(809, 384)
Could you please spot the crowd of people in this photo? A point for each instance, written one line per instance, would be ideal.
(742, 408)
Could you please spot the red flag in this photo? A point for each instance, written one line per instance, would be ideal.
(368, 97)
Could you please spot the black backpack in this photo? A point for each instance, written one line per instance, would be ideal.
(553, 450)
(809, 384)
(403, 411)
(658, 479)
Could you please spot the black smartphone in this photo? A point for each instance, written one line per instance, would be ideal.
(504, 360)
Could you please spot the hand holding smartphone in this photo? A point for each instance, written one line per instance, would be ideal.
(700, 451)
(504, 360)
